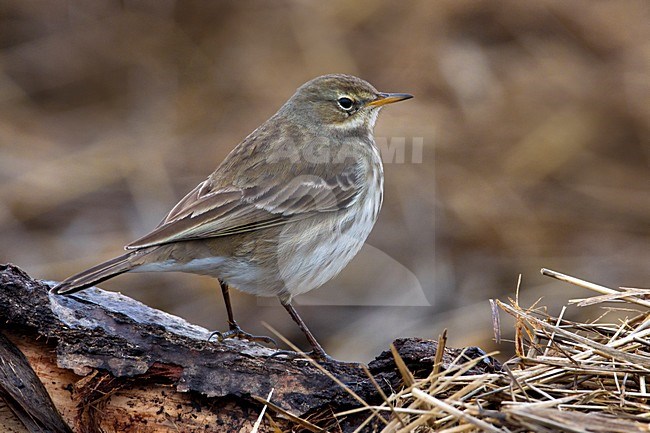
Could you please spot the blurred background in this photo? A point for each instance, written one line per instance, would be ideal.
(527, 146)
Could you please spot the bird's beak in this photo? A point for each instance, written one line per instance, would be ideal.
(388, 98)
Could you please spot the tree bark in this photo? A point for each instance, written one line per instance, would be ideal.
(108, 363)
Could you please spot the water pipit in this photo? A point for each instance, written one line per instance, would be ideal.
(286, 210)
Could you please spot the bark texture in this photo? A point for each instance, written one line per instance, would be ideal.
(98, 361)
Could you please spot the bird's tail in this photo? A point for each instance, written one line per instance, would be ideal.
(99, 273)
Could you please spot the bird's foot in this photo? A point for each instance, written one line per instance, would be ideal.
(236, 332)
(320, 357)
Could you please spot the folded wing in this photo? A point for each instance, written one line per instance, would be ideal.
(209, 211)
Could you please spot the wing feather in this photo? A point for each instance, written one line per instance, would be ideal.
(209, 211)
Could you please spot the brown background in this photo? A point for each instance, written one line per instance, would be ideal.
(534, 119)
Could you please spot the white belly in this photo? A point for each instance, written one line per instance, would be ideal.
(325, 249)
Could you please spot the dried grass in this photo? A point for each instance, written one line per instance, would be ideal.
(566, 376)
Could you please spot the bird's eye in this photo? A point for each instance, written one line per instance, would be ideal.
(345, 103)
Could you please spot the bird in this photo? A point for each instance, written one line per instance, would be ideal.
(283, 213)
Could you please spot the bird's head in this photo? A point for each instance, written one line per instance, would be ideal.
(341, 101)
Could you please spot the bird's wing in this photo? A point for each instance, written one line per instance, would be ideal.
(209, 211)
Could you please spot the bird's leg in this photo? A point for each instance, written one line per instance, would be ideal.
(225, 291)
(234, 331)
(317, 351)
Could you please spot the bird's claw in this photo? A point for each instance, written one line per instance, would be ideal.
(320, 357)
(238, 333)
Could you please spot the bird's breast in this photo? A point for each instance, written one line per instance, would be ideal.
(312, 252)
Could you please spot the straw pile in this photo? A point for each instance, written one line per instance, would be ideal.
(567, 376)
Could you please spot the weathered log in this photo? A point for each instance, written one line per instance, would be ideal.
(110, 363)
